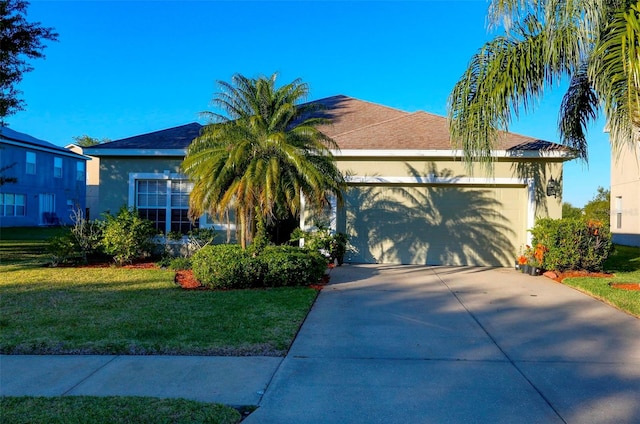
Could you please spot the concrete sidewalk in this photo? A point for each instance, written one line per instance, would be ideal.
(235, 381)
(399, 344)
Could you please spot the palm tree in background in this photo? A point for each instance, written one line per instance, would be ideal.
(595, 44)
(261, 155)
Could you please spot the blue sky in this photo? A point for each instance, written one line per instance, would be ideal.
(123, 68)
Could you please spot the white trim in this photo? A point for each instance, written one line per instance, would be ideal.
(134, 152)
(43, 149)
(511, 154)
(432, 179)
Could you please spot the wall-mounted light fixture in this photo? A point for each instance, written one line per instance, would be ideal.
(553, 187)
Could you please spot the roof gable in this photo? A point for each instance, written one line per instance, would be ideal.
(171, 138)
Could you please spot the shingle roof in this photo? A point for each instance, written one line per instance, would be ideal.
(355, 124)
(170, 138)
(9, 134)
(362, 125)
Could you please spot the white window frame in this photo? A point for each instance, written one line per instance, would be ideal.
(80, 171)
(30, 163)
(57, 167)
(165, 176)
(618, 212)
(19, 201)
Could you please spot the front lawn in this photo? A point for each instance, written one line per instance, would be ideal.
(624, 263)
(98, 410)
(134, 311)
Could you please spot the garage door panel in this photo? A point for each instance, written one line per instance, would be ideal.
(435, 225)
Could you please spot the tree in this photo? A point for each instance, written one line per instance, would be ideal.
(597, 209)
(570, 211)
(18, 39)
(86, 141)
(595, 44)
(262, 155)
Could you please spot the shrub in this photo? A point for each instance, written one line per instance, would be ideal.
(62, 248)
(179, 264)
(332, 245)
(572, 243)
(230, 267)
(127, 236)
(87, 234)
(226, 266)
(291, 266)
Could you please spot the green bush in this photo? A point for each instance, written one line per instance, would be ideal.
(226, 266)
(332, 245)
(127, 236)
(291, 266)
(229, 267)
(178, 264)
(572, 243)
(62, 248)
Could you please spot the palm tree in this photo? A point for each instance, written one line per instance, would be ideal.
(261, 155)
(594, 44)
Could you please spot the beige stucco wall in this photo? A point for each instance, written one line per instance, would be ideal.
(114, 177)
(538, 170)
(92, 169)
(625, 196)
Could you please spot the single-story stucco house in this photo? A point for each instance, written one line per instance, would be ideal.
(625, 196)
(410, 200)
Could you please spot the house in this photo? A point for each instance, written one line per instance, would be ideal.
(625, 196)
(93, 179)
(410, 200)
(41, 183)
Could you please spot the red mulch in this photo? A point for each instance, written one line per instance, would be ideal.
(559, 276)
(186, 280)
(626, 286)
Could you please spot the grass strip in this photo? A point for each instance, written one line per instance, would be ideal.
(113, 409)
(624, 263)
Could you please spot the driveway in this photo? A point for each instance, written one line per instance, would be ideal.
(413, 344)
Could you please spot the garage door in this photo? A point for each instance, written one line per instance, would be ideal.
(434, 225)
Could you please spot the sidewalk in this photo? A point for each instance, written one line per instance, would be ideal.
(234, 381)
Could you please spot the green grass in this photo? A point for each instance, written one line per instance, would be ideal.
(98, 410)
(137, 311)
(26, 245)
(624, 263)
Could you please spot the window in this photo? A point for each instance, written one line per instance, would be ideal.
(166, 203)
(80, 174)
(57, 167)
(12, 204)
(31, 163)
(618, 212)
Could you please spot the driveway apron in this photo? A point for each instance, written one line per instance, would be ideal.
(414, 344)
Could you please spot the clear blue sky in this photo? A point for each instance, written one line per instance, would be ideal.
(126, 68)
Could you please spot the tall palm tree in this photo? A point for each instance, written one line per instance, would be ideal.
(595, 44)
(261, 154)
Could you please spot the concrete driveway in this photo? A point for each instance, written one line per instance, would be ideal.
(412, 344)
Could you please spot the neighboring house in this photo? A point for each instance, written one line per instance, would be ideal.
(43, 183)
(625, 196)
(410, 198)
(93, 179)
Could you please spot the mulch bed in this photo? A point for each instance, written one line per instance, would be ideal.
(185, 278)
(559, 276)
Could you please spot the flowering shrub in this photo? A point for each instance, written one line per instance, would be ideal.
(571, 244)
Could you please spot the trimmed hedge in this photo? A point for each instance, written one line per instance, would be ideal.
(228, 266)
(572, 243)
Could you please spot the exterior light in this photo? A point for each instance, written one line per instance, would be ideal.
(553, 187)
